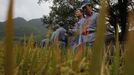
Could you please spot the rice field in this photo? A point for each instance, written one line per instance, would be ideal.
(26, 59)
(51, 60)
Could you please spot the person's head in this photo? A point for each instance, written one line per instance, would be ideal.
(55, 27)
(61, 24)
(79, 13)
(87, 8)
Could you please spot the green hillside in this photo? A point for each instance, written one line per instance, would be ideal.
(23, 27)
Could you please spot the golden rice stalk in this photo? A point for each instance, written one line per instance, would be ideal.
(115, 65)
(9, 52)
(98, 49)
(129, 56)
(77, 57)
(79, 53)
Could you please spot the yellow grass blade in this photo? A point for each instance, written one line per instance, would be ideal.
(97, 56)
(9, 53)
(129, 57)
(115, 65)
(78, 57)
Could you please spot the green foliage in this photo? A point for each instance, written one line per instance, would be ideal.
(62, 10)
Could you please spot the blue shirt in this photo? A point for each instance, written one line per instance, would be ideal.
(92, 23)
(60, 33)
(79, 25)
(81, 22)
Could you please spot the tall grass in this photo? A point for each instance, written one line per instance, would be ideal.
(116, 57)
(9, 53)
(98, 51)
(129, 56)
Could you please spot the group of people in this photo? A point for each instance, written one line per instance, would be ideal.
(83, 31)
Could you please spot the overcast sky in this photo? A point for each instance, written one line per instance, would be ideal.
(28, 9)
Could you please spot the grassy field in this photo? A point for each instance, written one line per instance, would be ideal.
(32, 60)
(50, 60)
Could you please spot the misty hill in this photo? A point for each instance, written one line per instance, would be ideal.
(23, 27)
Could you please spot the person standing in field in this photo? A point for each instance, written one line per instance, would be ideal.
(54, 35)
(89, 27)
(78, 29)
(61, 35)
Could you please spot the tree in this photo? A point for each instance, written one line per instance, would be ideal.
(118, 13)
(62, 10)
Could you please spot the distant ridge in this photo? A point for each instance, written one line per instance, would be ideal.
(23, 27)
